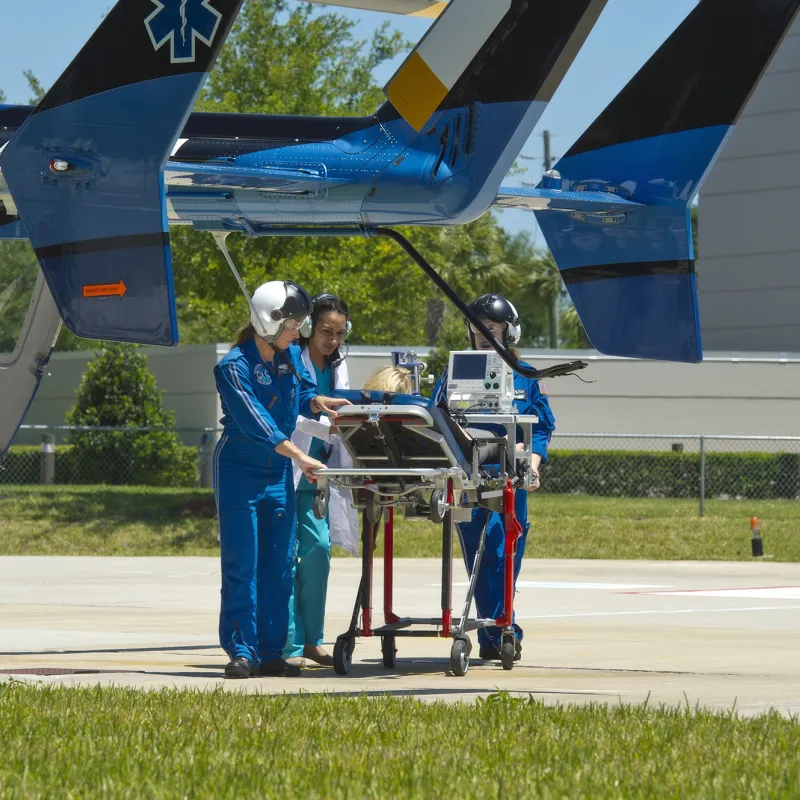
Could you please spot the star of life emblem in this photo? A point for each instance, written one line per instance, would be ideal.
(182, 23)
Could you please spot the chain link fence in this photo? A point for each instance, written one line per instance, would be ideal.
(76, 454)
(721, 467)
(611, 465)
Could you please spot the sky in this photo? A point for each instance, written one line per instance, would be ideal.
(44, 38)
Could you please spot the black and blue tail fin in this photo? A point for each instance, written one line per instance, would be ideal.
(481, 77)
(85, 170)
(630, 270)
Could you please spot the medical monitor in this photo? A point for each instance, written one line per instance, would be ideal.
(479, 380)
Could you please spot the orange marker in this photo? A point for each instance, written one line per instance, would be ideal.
(105, 290)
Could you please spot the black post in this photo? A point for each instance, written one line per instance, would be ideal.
(756, 543)
(48, 474)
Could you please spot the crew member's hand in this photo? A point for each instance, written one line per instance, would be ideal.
(535, 483)
(328, 405)
(310, 466)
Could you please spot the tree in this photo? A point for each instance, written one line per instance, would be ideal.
(117, 390)
(37, 90)
(537, 289)
(572, 331)
(472, 261)
(18, 271)
(294, 60)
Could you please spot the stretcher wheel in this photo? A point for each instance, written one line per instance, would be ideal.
(459, 656)
(342, 655)
(373, 508)
(508, 651)
(389, 650)
(320, 504)
(438, 505)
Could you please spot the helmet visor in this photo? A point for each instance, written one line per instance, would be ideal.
(292, 324)
(297, 305)
(495, 328)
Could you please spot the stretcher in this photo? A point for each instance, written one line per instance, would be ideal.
(409, 453)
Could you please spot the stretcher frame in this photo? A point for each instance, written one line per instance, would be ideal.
(455, 491)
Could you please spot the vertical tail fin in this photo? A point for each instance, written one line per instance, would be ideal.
(85, 169)
(631, 274)
(480, 80)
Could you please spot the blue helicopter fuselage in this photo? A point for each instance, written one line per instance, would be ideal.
(368, 172)
(250, 172)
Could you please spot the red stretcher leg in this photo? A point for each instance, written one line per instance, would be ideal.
(513, 532)
(388, 568)
(447, 565)
(367, 564)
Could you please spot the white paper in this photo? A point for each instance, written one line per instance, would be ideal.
(319, 430)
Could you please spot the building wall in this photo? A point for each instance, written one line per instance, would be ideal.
(184, 374)
(749, 237)
(751, 394)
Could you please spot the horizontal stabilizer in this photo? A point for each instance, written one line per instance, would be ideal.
(85, 168)
(598, 203)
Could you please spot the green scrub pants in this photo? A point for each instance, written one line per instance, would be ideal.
(309, 579)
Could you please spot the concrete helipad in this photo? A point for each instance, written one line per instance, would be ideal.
(716, 634)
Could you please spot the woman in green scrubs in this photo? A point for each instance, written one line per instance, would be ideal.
(322, 338)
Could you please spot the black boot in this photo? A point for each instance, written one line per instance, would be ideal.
(240, 667)
(279, 667)
(488, 652)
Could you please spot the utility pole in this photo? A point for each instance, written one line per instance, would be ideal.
(548, 159)
(554, 309)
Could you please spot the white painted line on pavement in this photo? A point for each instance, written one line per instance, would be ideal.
(758, 592)
(576, 585)
(665, 611)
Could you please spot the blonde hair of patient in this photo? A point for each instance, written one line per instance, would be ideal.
(389, 379)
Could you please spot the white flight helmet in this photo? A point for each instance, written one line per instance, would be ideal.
(275, 302)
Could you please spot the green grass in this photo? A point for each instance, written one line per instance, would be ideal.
(138, 521)
(120, 743)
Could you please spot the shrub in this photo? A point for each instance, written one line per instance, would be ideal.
(118, 390)
(626, 473)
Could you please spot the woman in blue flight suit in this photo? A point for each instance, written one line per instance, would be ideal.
(500, 316)
(263, 386)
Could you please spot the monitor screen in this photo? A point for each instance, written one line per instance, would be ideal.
(468, 367)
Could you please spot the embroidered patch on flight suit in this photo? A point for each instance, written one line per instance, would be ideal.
(262, 376)
(520, 394)
(542, 387)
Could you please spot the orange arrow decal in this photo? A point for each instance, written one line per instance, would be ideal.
(105, 290)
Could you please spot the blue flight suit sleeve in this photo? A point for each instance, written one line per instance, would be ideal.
(252, 419)
(542, 433)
